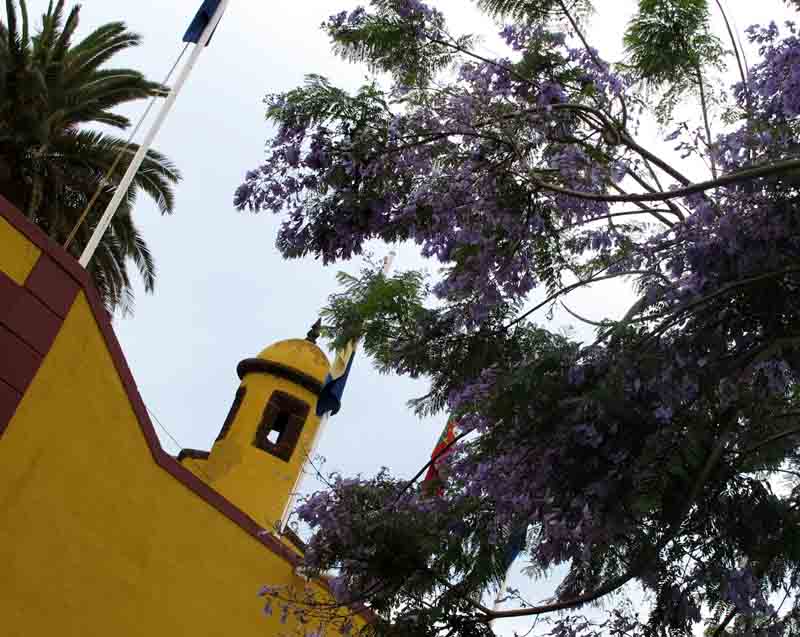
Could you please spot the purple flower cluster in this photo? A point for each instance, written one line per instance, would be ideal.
(775, 81)
(743, 590)
(413, 9)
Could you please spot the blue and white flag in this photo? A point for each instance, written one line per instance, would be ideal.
(330, 399)
(201, 21)
(517, 540)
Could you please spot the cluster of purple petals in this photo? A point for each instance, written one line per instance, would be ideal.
(413, 9)
(520, 37)
(347, 18)
(743, 591)
(774, 82)
(437, 163)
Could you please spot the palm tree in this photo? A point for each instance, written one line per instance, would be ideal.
(52, 163)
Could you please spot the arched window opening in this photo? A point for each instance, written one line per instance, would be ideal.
(281, 425)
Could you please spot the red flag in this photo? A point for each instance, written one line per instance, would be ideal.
(432, 478)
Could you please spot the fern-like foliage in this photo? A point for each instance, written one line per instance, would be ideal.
(319, 102)
(667, 40)
(534, 10)
(411, 48)
(52, 91)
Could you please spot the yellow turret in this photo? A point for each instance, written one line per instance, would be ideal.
(260, 451)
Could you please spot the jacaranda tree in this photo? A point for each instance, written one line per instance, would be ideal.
(663, 456)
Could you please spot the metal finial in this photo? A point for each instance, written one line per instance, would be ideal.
(314, 332)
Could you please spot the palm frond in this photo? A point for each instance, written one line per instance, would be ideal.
(97, 49)
(667, 39)
(51, 91)
(14, 38)
(25, 39)
(45, 40)
(62, 44)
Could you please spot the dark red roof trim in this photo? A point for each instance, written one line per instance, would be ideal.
(9, 401)
(52, 285)
(194, 454)
(290, 535)
(28, 327)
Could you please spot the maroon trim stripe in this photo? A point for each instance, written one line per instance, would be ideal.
(9, 400)
(19, 362)
(52, 285)
(24, 314)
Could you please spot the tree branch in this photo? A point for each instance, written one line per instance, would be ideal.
(618, 582)
(570, 288)
(672, 207)
(704, 108)
(433, 459)
(655, 159)
(610, 587)
(581, 318)
(764, 170)
(770, 440)
(644, 210)
(720, 630)
(594, 57)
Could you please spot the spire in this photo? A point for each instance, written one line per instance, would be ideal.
(314, 332)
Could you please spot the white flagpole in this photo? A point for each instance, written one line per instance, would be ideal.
(122, 189)
(498, 600)
(388, 260)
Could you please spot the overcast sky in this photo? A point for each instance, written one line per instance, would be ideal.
(223, 291)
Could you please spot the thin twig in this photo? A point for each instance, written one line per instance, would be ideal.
(704, 108)
(763, 170)
(581, 318)
(433, 459)
(770, 440)
(721, 628)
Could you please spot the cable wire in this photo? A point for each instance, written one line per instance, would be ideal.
(163, 428)
(175, 440)
(105, 180)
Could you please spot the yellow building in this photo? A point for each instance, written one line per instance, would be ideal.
(101, 531)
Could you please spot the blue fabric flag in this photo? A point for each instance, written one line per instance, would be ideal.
(330, 398)
(516, 544)
(201, 20)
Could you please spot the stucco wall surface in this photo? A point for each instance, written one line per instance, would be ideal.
(101, 532)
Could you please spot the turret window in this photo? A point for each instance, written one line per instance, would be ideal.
(278, 428)
(281, 425)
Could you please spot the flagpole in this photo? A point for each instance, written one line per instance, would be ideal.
(498, 600)
(138, 158)
(388, 261)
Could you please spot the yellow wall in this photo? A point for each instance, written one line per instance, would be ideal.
(18, 254)
(95, 538)
(256, 481)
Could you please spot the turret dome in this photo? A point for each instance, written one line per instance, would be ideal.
(299, 354)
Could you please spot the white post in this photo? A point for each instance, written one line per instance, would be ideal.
(498, 600)
(388, 260)
(309, 457)
(122, 189)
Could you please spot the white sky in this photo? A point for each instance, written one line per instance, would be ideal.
(223, 291)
